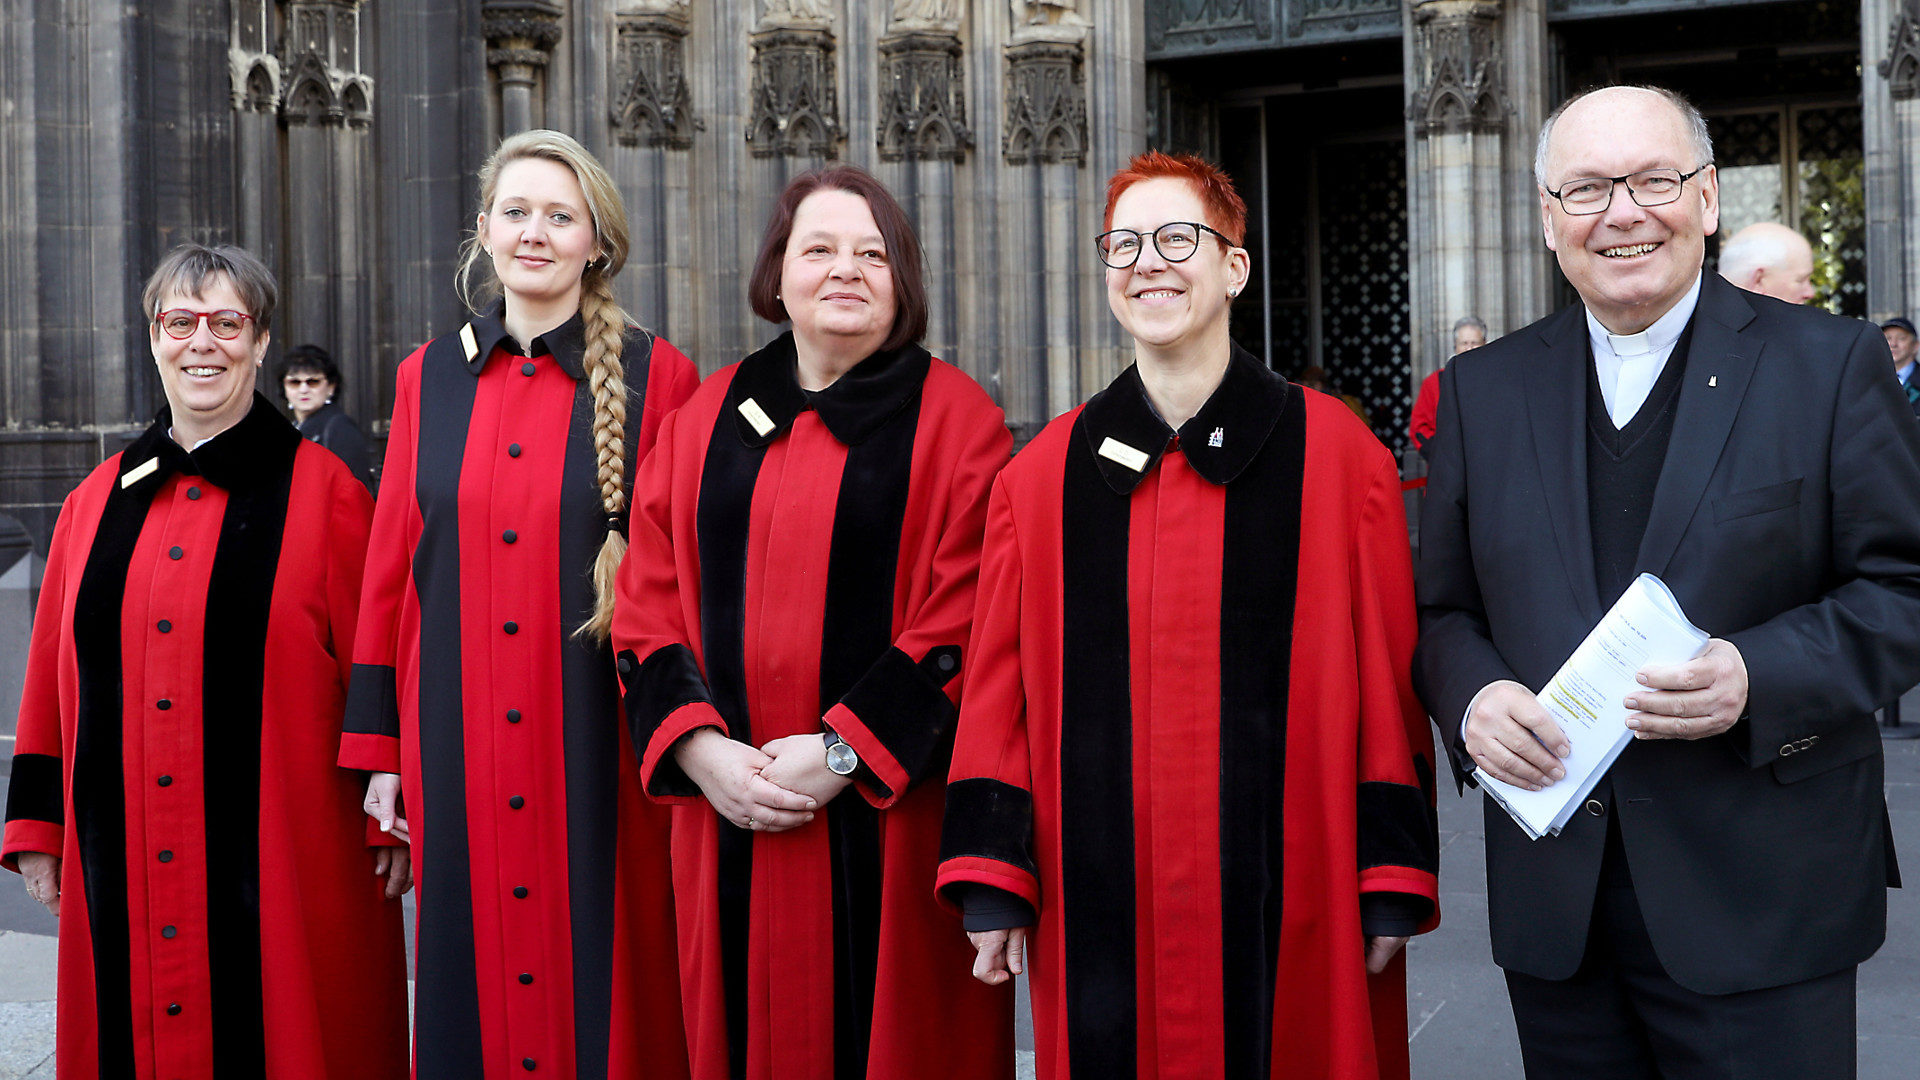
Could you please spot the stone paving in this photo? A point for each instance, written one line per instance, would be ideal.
(1458, 1020)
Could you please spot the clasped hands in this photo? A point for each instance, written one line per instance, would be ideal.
(774, 788)
(1513, 738)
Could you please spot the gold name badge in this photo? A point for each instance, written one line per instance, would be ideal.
(757, 416)
(1115, 450)
(139, 472)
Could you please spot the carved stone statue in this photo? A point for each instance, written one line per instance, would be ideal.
(926, 14)
(1047, 13)
(795, 13)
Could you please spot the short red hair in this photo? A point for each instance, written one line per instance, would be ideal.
(1225, 207)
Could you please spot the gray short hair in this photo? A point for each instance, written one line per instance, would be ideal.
(187, 268)
(1466, 321)
(1696, 125)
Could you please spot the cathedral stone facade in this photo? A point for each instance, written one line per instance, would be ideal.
(1385, 147)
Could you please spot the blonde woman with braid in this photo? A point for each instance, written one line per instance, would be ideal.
(484, 696)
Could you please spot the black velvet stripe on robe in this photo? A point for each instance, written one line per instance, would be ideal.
(447, 1008)
(255, 463)
(856, 633)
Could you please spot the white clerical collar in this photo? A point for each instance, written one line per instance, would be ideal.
(1657, 339)
(195, 446)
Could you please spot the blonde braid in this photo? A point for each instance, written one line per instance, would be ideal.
(606, 329)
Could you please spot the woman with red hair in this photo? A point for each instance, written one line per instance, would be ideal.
(1191, 784)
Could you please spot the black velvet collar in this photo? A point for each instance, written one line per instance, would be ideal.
(766, 397)
(1242, 412)
(566, 343)
(248, 455)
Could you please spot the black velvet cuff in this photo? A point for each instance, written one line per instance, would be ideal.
(984, 907)
(1397, 827)
(666, 680)
(1392, 914)
(905, 706)
(373, 703)
(33, 791)
(989, 819)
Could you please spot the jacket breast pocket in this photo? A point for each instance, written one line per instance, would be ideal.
(1742, 504)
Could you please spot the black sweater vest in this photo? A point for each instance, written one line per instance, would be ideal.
(1623, 468)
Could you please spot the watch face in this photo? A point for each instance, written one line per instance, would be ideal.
(841, 760)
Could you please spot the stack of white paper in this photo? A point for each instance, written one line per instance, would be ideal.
(1646, 626)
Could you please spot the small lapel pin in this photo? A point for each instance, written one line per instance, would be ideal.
(1115, 450)
(468, 343)
(1713, 380)
(1218, 438)
(139, 472)
(757, 416)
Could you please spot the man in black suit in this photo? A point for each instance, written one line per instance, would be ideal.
(1704, 913)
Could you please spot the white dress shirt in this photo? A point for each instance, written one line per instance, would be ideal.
(1629, 364)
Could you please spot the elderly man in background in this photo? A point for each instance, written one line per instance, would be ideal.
(1704, 913)
(1903, 344)
(1771, 260)
(1469, 333)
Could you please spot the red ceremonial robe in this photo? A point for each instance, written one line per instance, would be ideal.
(798, 558)
(545, 933)
(219, 915)
(1189, 739)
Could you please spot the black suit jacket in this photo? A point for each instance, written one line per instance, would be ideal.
(1787, 521)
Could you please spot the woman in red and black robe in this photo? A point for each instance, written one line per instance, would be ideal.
(1191, 785)
(174, 798)
(806, 540)
(545, 934)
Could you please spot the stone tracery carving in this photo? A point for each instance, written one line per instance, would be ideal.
(1046, 103)
(1457, 58)
(313, 78)
(1901, 68)
(795, 108)
(923, 101)
(652, 104)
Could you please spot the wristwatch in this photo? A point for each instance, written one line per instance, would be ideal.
(841, 760)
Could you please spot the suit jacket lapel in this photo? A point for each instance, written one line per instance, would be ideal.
(1556, 408)
(1719, 367)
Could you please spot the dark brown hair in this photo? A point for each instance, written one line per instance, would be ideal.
(896, 231)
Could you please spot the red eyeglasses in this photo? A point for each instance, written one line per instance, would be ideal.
(180, 323)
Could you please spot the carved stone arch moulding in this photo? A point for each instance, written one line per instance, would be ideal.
(795, 109)
(923, 99)
(652, 104)
(312, 97)
(1901, 68)
(1462, 79)
(1046, 103)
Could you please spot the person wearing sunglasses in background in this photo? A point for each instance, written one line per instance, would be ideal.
(174, 798)
(311, 380)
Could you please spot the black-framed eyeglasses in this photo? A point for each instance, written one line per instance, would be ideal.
(295, 382)
(1176, 241)
(180, 323)
(1648, 187)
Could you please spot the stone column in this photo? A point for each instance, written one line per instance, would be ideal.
(1045, 136)
(520, 36)
(922, 137)
(1890, 108)
(324, 266)
(1457, 138)
(653, 126)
